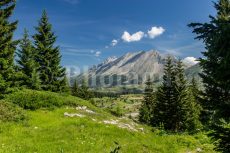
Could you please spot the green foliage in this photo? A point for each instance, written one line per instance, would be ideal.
(27, 64)
(145, 114)
(216, 75)
(3, 86)
(31, 99)
(75, 88)
(10, 112)
(85, 93)
(48, 57)
(148, 104)
(221, 135)
(116, 150)
(49, 131)
(181, 105)
(216, 62)
(177, 108)
(189, 108)
(65, 88)
(7, 45)
(117, 111)
(81, 91)
(166, 99)
(194, 108)
(35, 82)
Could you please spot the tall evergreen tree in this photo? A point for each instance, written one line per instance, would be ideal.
(27, 64)
(48, 57)
(194, 87)
(216, 75)
(186, 106)
(75, 89)
(193, 108)
(166, 98)
(148, 104)
(216, 62)
(221, 133)
(181, 98)
(85, 93)
(65, 87)
(7, 45)
(176, 109)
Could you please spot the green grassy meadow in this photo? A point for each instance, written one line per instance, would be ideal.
(50, 131)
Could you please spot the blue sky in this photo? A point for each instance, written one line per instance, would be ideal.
(86, 28)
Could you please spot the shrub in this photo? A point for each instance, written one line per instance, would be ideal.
(31, 99)
(117, 149)
(221, 135)
(10, 112)
(117, 111)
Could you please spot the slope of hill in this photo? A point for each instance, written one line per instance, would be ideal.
(88, 129)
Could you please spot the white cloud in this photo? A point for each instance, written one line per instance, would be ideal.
(155, 31)
(114, 42)
(190, 61)
(127, 37)
(98, 53)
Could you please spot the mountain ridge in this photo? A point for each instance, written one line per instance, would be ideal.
(133, 68)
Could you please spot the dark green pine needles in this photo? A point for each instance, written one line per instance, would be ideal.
(52, 74)
(216, 64)
(7, 45)
(27, 65)
(216, 72)
(165, 112)
(148, 104)
(175, 106)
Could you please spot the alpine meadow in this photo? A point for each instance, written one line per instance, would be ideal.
(118, 76)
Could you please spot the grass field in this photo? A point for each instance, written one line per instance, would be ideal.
(91, 130)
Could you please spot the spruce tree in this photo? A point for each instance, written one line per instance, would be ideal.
(75, 89)
(148, 104)
(65, 87)
(7, 45)
(216, 62)
(81, 91)
(194, 87)
(48, 57)
(35, 82)
(27, 64)
(181, 98)
(176, 109)
(166, 99)
(187, 108)
(193, 108)
(221, 133)
(216, 75)
(85, 93)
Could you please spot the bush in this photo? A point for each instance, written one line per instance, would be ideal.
(117, 111)
(31, 99)
(10, 112)
(117, 149)
(221, 135)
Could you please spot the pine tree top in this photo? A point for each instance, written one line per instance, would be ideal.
(7, 7)
(45, 35)
(223, 9)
